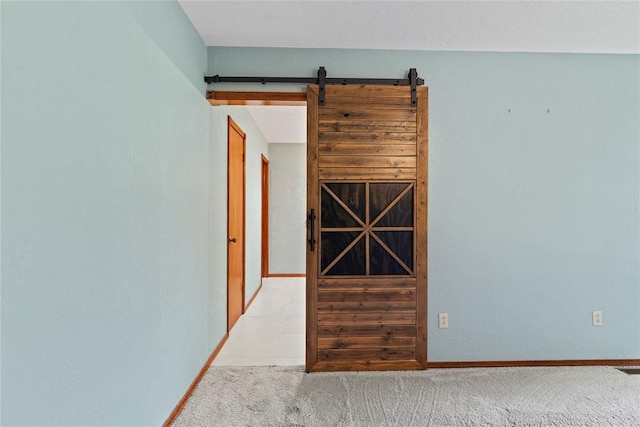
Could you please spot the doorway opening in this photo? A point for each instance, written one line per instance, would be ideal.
(271, 331)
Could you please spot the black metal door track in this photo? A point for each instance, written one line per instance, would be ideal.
(321, 80)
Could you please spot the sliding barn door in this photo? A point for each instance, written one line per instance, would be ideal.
(367, 229)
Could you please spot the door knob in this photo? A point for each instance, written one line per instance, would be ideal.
(233, 240)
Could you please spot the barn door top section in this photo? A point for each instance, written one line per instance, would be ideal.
(412, 81)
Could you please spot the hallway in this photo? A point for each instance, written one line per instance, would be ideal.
(272, 331)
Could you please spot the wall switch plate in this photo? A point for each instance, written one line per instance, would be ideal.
(443, 320)
(597, 318)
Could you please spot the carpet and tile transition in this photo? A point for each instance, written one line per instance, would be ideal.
(286, 396)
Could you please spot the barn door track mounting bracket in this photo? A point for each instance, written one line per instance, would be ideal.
(413, 81)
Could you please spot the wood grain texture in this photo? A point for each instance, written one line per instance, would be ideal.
(366, 330)
(379, 353)
(387, 318)
(256, 98)
(366, 283)
(385, 294)
(367, 125)
(312, 203)
(330, 173)
(366, 91)
(380, 138)
(378, 103)
(360, 112)
(367, 365)
(421, 232)
(366, 342)
(364, 319)
(363, 306)
(354, 149)
(362, 161)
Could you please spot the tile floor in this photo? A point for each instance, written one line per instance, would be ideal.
(272, 331)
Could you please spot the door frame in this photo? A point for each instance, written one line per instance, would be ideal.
(232, 126)
(265, 217)
(216, 97)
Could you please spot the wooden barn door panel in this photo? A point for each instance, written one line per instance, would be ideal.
(367, 193)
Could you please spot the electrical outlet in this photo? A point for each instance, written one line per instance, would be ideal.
(443, 320)
(597, 318)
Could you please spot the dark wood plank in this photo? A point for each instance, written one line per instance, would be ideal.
(354, 149)
(367, 283)
(380, 353)
(355, 330)
(366, 342)
(421, 237)
(387, 318)
(312, 203)
(366, 162)
(388, 294)
(378, 102)
(368, 137)
(366, 126)
(359, 112)
(365, 306)
(256, 98)
(386, 174)
(366, 91)
(367, 365)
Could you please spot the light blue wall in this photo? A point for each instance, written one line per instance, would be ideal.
(287, 208)
(534, 194)
(166, 25)
(256, 145)
(110, 213)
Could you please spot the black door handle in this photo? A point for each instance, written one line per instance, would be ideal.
(233, 240)
(312, 223)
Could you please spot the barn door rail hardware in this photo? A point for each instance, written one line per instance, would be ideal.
(322, 80)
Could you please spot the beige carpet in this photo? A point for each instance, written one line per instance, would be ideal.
(286, 396)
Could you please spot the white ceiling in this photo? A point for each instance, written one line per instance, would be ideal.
(281, 124)
(503, 26)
